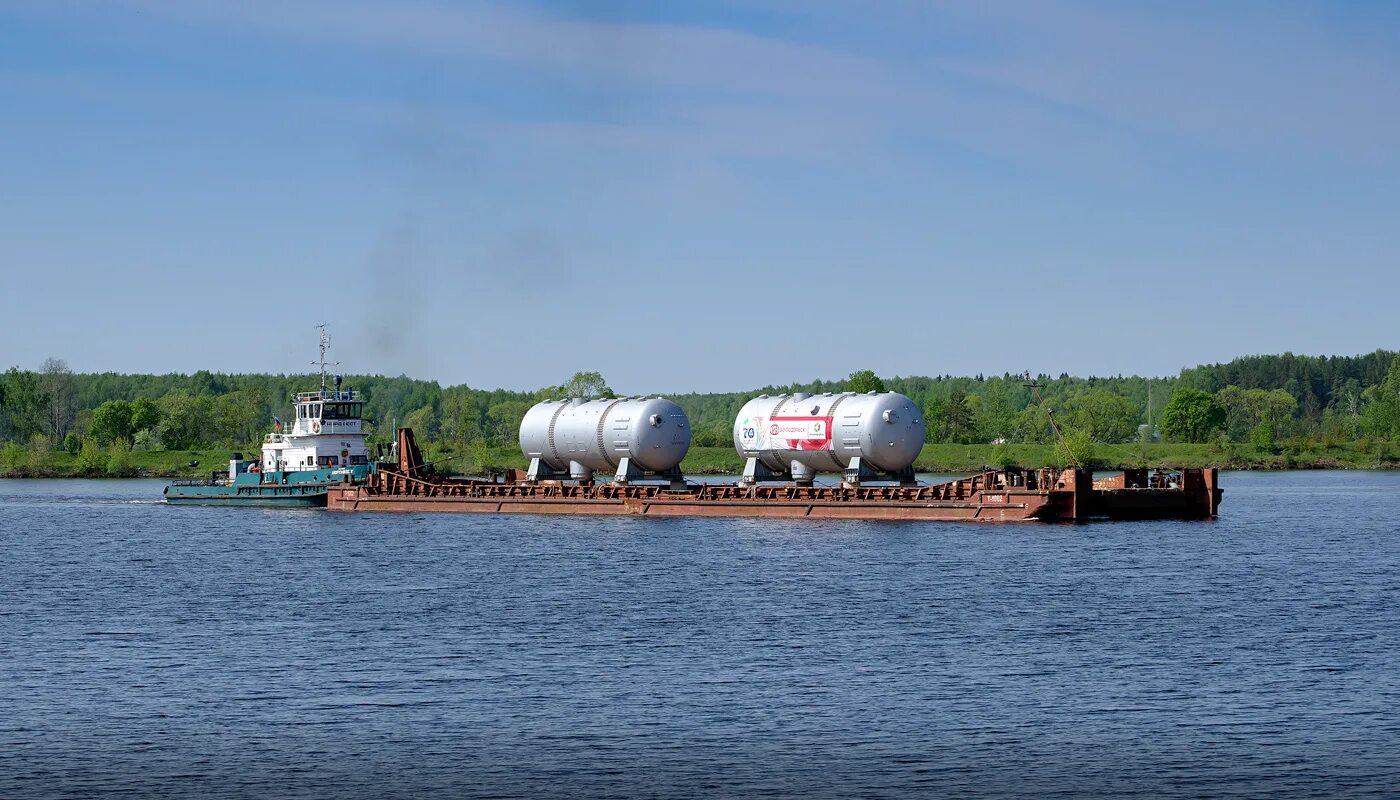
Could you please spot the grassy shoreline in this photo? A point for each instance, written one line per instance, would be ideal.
(940, 458)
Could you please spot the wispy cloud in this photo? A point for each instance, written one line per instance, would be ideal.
(1267, 81)
(628, 55)
(1047, 85)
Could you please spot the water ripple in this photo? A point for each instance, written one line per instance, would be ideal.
(217, 653)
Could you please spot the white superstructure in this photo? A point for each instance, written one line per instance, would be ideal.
(327, 433)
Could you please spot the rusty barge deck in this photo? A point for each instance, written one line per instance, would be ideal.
(1004, 495)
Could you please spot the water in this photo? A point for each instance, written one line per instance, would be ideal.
(204, 652)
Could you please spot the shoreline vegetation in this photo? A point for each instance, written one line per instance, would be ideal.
(713, 461)
(1269, 412)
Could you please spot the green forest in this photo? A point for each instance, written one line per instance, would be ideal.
(1271, 411)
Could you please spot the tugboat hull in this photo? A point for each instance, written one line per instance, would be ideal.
(282, 496)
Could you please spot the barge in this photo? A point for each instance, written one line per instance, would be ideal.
(1002, 495)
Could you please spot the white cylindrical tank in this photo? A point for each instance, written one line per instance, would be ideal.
(825, 432)
(586, 435)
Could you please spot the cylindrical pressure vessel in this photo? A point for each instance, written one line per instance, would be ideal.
(825, 432)
(586, 435)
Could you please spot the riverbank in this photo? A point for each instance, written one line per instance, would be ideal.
(941, 458)
(127, 464)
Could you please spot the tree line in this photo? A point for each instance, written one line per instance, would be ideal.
(1261, 400)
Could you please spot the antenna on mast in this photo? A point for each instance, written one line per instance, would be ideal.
(325, 345)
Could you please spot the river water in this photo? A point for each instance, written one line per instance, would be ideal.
(147, 650)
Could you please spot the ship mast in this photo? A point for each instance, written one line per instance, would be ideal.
(325, 345)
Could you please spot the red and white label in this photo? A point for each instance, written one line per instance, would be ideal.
(800, 433)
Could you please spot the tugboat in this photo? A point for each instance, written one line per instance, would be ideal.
(324, 447)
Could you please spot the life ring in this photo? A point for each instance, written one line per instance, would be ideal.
(315, 426)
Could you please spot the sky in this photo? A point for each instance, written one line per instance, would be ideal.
(696, 196)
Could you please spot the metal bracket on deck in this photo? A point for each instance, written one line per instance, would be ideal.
(858, 471)
(540, 471)
(627, 472)
(755, 470)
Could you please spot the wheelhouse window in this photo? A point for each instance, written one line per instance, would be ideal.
(356, 461)
(342, 411)
(327, 461)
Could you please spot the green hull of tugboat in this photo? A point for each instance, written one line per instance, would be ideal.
(293, 489)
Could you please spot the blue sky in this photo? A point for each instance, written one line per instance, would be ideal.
(696, 196)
